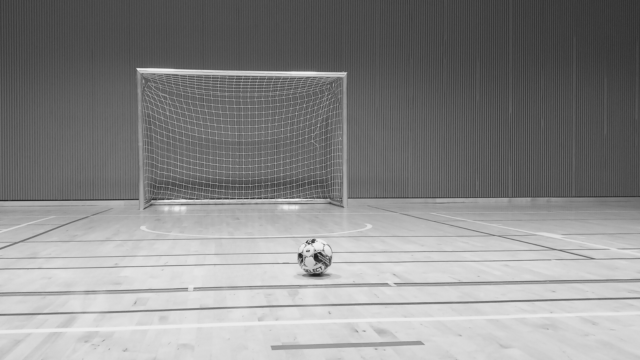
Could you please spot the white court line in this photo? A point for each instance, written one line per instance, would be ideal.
(535, 212)
(314, 322)
(363, 213)
(231, 214)
(15, 227)
(367, 227)
(549, 235)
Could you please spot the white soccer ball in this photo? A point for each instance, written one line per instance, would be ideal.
(314, 256)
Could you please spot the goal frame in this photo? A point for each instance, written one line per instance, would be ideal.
(141, 153)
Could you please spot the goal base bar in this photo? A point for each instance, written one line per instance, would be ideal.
(245, 202)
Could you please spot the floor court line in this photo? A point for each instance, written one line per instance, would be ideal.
(322, 286)
(277, 253)
(367, 227)
(528, 212)
(50, 230)
(293, 263)
(322, 305)
(365, 213)
(316, 322)
(232, 214)
(568, 219)
(590, 234)
(486, 233)
(553, 236)
(281, 238)
(25, 224)
(336, 262)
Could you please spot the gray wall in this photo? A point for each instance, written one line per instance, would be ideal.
(447, 98)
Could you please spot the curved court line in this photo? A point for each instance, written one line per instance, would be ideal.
(367, 227)
(315, 322)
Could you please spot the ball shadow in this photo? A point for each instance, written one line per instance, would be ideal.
(325, 276)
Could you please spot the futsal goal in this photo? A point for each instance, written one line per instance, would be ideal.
(219, 137)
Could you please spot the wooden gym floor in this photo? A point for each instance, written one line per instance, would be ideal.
(510, 280)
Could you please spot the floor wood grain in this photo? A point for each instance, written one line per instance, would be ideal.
(99, 287)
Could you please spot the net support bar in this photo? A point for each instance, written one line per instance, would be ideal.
(345, 178)
(140, 143)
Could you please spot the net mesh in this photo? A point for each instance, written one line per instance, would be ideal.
(232, 137)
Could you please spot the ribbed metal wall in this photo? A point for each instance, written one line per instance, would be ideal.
(447, 98)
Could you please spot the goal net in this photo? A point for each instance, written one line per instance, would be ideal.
(233, 137)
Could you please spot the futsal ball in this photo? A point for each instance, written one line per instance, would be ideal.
(314, 256)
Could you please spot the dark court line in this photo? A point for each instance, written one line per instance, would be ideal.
(619, 248)
(292, 263)
(253, 238)
(601, 247)
(629, 233)
(543, 219)
(345, 345)
(405, 303)
(334, 237)
(271, 253)
(528, 212)
(290, 253)
(321, 286)
(486, 233)
(52, 229)
(39, 206)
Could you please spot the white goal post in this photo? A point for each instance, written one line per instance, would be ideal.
(220, 137)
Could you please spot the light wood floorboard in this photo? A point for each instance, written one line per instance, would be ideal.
(484, 281)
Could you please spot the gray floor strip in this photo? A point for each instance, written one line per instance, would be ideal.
(345, 345)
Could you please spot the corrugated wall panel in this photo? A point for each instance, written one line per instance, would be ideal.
(493, 100)
(635, 28)
(447, 98)
(458, 127)
(426, 97)
(5, 61)
(526, 114)
(554, 154)
(620, 89)
(591, 99)
(366, 142)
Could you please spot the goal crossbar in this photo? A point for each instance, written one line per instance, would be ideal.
(242, 73)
